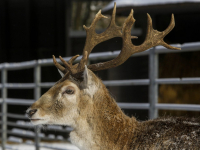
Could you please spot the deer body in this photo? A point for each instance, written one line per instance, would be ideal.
(99, 124)
(80, 100)
(102, 125)
(101, 121)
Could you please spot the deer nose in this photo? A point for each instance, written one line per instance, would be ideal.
(30, 113)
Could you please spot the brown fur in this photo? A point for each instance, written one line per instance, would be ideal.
(100, 124)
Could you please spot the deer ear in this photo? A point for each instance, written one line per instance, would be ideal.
(62, 74)
(85, 78)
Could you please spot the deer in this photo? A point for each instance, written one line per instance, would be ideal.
(81, 100)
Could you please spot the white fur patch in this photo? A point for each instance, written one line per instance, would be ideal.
(168, 120)
(157, 135)
(85, 142)
(91, 90)
(191, 123)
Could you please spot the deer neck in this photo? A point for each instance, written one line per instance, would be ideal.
(101, 120)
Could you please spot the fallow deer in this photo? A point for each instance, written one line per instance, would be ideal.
(80, 100)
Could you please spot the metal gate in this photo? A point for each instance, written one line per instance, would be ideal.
(153, 81)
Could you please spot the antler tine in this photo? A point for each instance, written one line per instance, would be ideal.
(94, 22)
(153, 38)
(93, 38)
(151, 33)
(73, 59)
(65, 63)
(69, 65)
(70, 62)
(61, 68)
(169, 28)
(171, 25)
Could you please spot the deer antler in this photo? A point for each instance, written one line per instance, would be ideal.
(153, 38)
(91, 41)
(67, 65)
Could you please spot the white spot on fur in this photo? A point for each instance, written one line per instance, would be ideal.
(185, 137)
(191, 123)
(167, 142)
(157, 135)
(91, 90)
(167, 120)
(194, 133)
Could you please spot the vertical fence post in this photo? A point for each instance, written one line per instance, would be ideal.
(153, 86)
(37, 93)
(4, 107)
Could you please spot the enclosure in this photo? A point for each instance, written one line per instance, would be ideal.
(148, 85)
(15, 134)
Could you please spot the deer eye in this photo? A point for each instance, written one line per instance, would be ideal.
(69, 90)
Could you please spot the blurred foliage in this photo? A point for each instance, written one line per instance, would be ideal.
(83, 13)
(179, 66)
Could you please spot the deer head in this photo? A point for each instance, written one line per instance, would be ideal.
(80, 94)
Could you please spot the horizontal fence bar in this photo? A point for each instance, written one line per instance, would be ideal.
(178, 81)
(19, 85)
(20, 125)
(19, 101)
(187, 47)
(134, 105)
(53, 147)
(27, 85)
(29, 125)
(126, 82)
(17, 116)
(33, 136)
(20, 134)
(158, 81)
(20, 65)
(186, 107)
(46, 85)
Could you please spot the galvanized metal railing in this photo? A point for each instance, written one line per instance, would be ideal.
(152, 82)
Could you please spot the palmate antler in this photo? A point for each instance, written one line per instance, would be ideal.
(153, 38)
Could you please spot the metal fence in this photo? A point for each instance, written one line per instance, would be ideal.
(152, 82)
